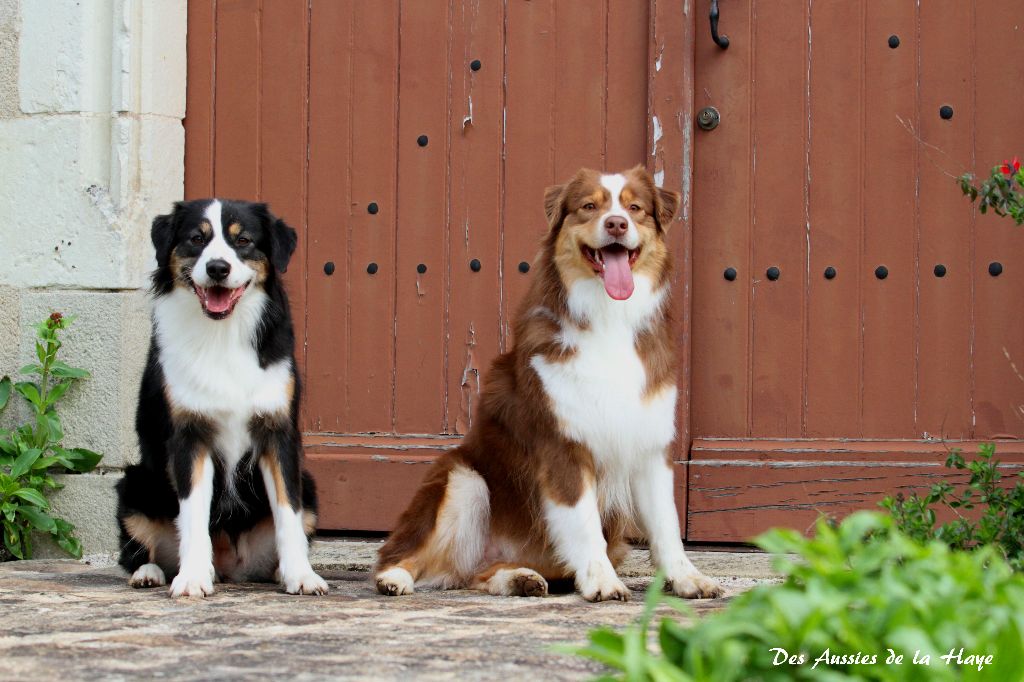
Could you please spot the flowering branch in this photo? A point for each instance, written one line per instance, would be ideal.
(1002, 191)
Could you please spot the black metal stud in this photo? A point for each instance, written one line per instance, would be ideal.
(421, 268)
(422, 140)
(372, 268)
(329, 268)
(372, 208)
(881, 272)
(946, 112)
(940, 270)
(474, 265)
(773, 273)
(524, 267)
(475, 65)
(729, 274)
(894, 41)
(995, 268)
(830, 272)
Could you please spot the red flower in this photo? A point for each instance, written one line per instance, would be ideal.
(1010, 167)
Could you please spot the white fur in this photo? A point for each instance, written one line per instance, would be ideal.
(195, 575)
(579, 543)
(395, 581)
(211, 368)
(598, 393)
(502, 583)
(292, 547)
(148, 575)
(218, 248)
(615, 184)
(462, 526)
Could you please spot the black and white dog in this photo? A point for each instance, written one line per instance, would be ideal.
(220, 491)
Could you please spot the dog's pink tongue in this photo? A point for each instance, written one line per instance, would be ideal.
(618, 278)
(218, 299)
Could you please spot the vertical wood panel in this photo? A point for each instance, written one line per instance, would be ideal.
(422, 218)
(629, 41)
(199, 107)
(779, 226)
(945, 218)
(529, 152)
(721, 231)
(581, 81)
(998, 324)
(282, 140)
(833, 381)
(236, 124)
(474, 319)
(888, 306)
(330, 215)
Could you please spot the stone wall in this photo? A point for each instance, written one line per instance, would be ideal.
(92, 97)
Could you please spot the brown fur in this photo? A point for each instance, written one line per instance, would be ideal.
(515, 444)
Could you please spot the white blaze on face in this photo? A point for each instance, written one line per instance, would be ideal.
(219, 249)
(615, 184)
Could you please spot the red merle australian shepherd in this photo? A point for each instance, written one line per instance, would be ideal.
(220, 491)
(571, 451)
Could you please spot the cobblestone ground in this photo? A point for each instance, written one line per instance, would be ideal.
(69, 620)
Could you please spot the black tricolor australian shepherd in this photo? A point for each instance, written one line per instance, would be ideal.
(220, 492)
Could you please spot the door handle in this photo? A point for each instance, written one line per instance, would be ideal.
(721, 41)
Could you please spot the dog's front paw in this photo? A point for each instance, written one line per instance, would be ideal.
(694, 585)
(604, 588)
(193, 583)
(395, 581)
(306, 583)
(148, 575)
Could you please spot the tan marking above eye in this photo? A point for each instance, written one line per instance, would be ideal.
(234, 229)
(206, 227)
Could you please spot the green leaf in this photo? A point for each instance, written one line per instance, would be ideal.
(39, 519)
(34, 496)
(30, 391)
(5, 391)
(56, 392)
(49, 423)
(80, 460)
(24, 462)
(64, 371)
(12, 539)
(30, 369)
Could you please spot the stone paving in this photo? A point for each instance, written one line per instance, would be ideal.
(67, 619)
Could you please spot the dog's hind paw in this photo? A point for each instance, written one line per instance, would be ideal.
(148, 575)
(394, 581)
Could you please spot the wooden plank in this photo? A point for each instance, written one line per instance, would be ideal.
(944, 333)
(998, 330)
(474, 195)
(734, 501)
(779, 219)
(424, 35)
(282, 133)
(808, 449)
(722, 168)
(528, 148)
(199, 106)
(888, 305)
(236, 127)
(834, 353)
(629, 70)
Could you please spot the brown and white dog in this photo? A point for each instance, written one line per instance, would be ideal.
(571, 449)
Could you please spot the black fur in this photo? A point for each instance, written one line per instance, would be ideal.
(169, 441)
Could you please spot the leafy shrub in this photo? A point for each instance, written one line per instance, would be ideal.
(1001, 191)
(863, 590)
(30, 452)
(1001, 520)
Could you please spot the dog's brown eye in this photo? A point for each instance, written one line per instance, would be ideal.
(196, 239)
(634, 207)
(243, 241)
(589, 206)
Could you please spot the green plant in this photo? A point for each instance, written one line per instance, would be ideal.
(854, 598)
(30, 452)
(1001, 519)
(1001, 191)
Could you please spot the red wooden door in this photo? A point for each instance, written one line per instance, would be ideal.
(816, 394)
(410, 144)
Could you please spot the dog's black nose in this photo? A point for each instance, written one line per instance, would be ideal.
(218, 269)
(616, 225)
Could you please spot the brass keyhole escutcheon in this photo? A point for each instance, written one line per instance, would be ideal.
(708, 118)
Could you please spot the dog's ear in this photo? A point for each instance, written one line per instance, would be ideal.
(162, 234)
(554, 205)
(282, 240)
(666, 203)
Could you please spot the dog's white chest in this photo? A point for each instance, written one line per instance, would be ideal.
(211, 368)
(598, 394)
